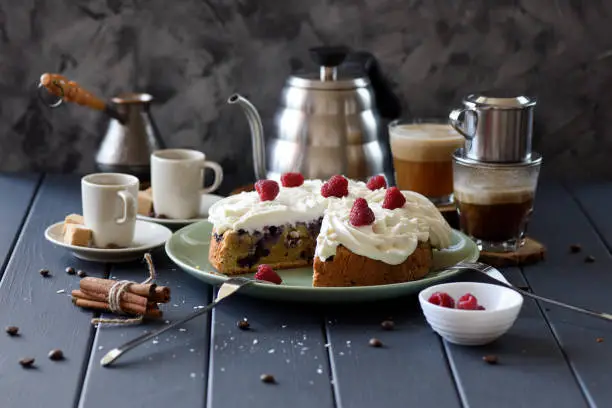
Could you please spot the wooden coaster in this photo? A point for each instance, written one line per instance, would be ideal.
(530, 253)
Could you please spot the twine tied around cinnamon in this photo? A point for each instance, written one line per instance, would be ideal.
(114, 298)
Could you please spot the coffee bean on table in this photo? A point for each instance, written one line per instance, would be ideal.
(81, 274)
(27, 362)
(243, 324)
(490, 359)
(575, 248)
(375, 343)
(44, 273)
(70, 270)
(56, 355)
(388, 325)
(589, 259)
(599, 339)
(12, 330)
(267, 378)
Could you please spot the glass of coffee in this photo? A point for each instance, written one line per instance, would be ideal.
(495, 200)
(422, 152)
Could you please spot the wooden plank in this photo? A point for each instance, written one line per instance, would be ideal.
(559, 222)
(529, 362)
(596, 201)
(410, 370)
(284, 340)
(169, 369)
(47, 319)
(17, 194)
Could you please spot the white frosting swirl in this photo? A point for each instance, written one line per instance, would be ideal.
(392, 238)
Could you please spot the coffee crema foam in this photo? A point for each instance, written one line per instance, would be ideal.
(496, 195)
(423, 142)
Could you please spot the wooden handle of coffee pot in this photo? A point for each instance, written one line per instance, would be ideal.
(70, 91)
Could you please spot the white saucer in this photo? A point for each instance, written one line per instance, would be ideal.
(205, 203)
(148, 235)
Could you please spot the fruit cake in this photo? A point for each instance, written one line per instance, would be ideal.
(357, 234)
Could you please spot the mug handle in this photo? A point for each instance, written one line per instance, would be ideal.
(457, 123)
(129, 204)
(218, 176)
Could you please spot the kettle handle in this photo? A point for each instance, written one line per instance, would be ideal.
(457, 119)
(70, 91)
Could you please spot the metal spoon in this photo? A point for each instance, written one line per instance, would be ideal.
(484, 269)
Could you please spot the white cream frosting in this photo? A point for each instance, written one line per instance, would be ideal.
(246, 211)
(392, 238)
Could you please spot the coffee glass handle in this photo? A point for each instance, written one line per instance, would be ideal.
(129, 206)
(459, 117)
(216, 168)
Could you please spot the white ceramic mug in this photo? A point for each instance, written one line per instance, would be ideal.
(109, 208)
(177, 176)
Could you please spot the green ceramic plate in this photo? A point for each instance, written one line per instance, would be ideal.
(188, 248)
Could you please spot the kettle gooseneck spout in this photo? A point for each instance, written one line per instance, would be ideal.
(257, 135)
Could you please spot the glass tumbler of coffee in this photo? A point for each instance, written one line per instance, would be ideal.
(422, 152)
(495, 200)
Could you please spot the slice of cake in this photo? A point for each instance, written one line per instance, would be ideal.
(275, 225)
(386, 237)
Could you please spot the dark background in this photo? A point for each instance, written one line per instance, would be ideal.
(192, 54)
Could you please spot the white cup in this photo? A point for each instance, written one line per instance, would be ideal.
(177, 176)
(109, 208)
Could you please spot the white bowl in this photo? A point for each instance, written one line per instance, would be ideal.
(472, 327)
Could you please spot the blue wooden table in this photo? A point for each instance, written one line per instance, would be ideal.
(319, 355)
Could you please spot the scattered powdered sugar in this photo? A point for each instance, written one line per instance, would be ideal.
(100, 347)
(192, 350)
(283, 326)
(182, 330)
(61, 291)
(255, 341)
(192, 375)
(271, 351)
(327, 344)
(155, 341)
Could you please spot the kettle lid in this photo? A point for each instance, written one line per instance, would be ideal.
(331, 75)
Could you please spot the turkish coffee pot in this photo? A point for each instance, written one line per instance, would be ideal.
(329, 122)
(131, 135)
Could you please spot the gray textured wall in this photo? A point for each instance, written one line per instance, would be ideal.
(193, 54)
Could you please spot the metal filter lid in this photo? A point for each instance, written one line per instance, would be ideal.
(484, 102)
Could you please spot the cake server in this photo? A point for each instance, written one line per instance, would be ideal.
(229, 287)
(484, 269)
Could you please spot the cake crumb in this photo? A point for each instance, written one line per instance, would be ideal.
(255, 341)
(61, 291)
(192, 375)
(271, 351)
(599, 339)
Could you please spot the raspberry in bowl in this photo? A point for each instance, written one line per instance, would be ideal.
(470, 313)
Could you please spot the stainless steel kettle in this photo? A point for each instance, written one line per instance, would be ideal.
(328, 121)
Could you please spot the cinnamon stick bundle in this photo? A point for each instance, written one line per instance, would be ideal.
(154, 293)
(138, 298)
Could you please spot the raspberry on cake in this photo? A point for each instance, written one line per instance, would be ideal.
(377, 182)
(336, 186)
(292, 179)
(267, 189)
